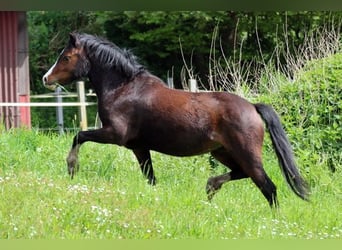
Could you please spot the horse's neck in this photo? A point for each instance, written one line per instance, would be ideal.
(104, 81)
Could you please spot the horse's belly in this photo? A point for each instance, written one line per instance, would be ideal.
(177, 145)
(185, 151)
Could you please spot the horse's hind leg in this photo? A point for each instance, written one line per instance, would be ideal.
(242, 167)
(251, 165)
(145, 162)
(216, 182)
(264, 183)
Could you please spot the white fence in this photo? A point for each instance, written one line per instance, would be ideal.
(58, 95)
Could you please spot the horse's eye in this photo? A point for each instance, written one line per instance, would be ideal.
(65, 58)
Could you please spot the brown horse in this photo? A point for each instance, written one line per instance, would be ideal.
(139, 112)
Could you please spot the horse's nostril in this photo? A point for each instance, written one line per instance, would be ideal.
(44, 79)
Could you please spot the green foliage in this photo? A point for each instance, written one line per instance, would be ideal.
(311, 109)
(155, 36)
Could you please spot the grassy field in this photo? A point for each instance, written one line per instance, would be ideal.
(109, 198)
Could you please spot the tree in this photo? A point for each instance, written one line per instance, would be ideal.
(155, 36)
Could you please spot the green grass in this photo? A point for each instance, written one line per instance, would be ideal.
(110, 199)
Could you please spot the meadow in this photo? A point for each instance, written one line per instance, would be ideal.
(110, 199)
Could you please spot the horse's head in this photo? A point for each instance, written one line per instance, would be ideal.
(71, 64)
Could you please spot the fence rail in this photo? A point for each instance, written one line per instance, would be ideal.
(45, 104)
(58, 95)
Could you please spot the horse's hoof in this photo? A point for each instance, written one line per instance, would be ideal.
(152, 181)
(210, 192)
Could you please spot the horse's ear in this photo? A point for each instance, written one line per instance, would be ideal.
(73, 39)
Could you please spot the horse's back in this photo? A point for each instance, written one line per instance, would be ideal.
(179, 122)
(205, 109)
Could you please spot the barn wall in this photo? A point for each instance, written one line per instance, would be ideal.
(14, 72)
(23, 70)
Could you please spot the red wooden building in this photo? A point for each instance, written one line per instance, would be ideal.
(14, 69)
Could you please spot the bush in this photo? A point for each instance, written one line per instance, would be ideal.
(311, 110)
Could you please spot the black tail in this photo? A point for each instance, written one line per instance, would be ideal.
(283, 150)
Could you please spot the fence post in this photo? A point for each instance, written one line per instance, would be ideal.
(59, 111)
(83, 109)
(192, 85)
(170, 83)
(98, 122)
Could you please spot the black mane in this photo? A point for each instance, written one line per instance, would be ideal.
(110, 56)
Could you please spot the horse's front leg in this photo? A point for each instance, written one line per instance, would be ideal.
(72, 159)
(102, 135)
(145, 162)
